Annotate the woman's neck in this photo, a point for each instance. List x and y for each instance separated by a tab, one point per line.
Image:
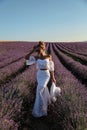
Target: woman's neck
43	54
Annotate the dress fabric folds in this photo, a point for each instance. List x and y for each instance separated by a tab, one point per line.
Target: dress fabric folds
55	91
43	98
42	94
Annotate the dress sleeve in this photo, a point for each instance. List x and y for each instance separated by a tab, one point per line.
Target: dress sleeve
51	65
31	60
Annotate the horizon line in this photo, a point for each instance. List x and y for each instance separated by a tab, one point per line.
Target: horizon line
36	41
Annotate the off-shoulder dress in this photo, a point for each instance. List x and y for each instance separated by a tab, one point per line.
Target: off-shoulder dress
42	100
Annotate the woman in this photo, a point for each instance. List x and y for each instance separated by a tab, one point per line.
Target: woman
45	71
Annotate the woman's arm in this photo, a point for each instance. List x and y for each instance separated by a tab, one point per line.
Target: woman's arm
52	69
35	49
52	76
27	56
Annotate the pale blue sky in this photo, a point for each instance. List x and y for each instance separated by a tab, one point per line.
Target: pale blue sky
47	20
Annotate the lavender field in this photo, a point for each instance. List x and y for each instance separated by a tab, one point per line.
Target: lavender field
18	87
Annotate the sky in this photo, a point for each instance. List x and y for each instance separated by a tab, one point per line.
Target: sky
46	20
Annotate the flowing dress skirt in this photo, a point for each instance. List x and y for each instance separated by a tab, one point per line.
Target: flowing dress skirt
42	94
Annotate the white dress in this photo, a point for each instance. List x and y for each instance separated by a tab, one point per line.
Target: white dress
42	93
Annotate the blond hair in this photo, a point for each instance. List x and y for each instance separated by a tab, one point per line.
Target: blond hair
42	44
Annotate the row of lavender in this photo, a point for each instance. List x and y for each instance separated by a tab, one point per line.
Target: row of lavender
78	47
12	52
14	90
79	70
80	58
71	107
12	97
12	62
